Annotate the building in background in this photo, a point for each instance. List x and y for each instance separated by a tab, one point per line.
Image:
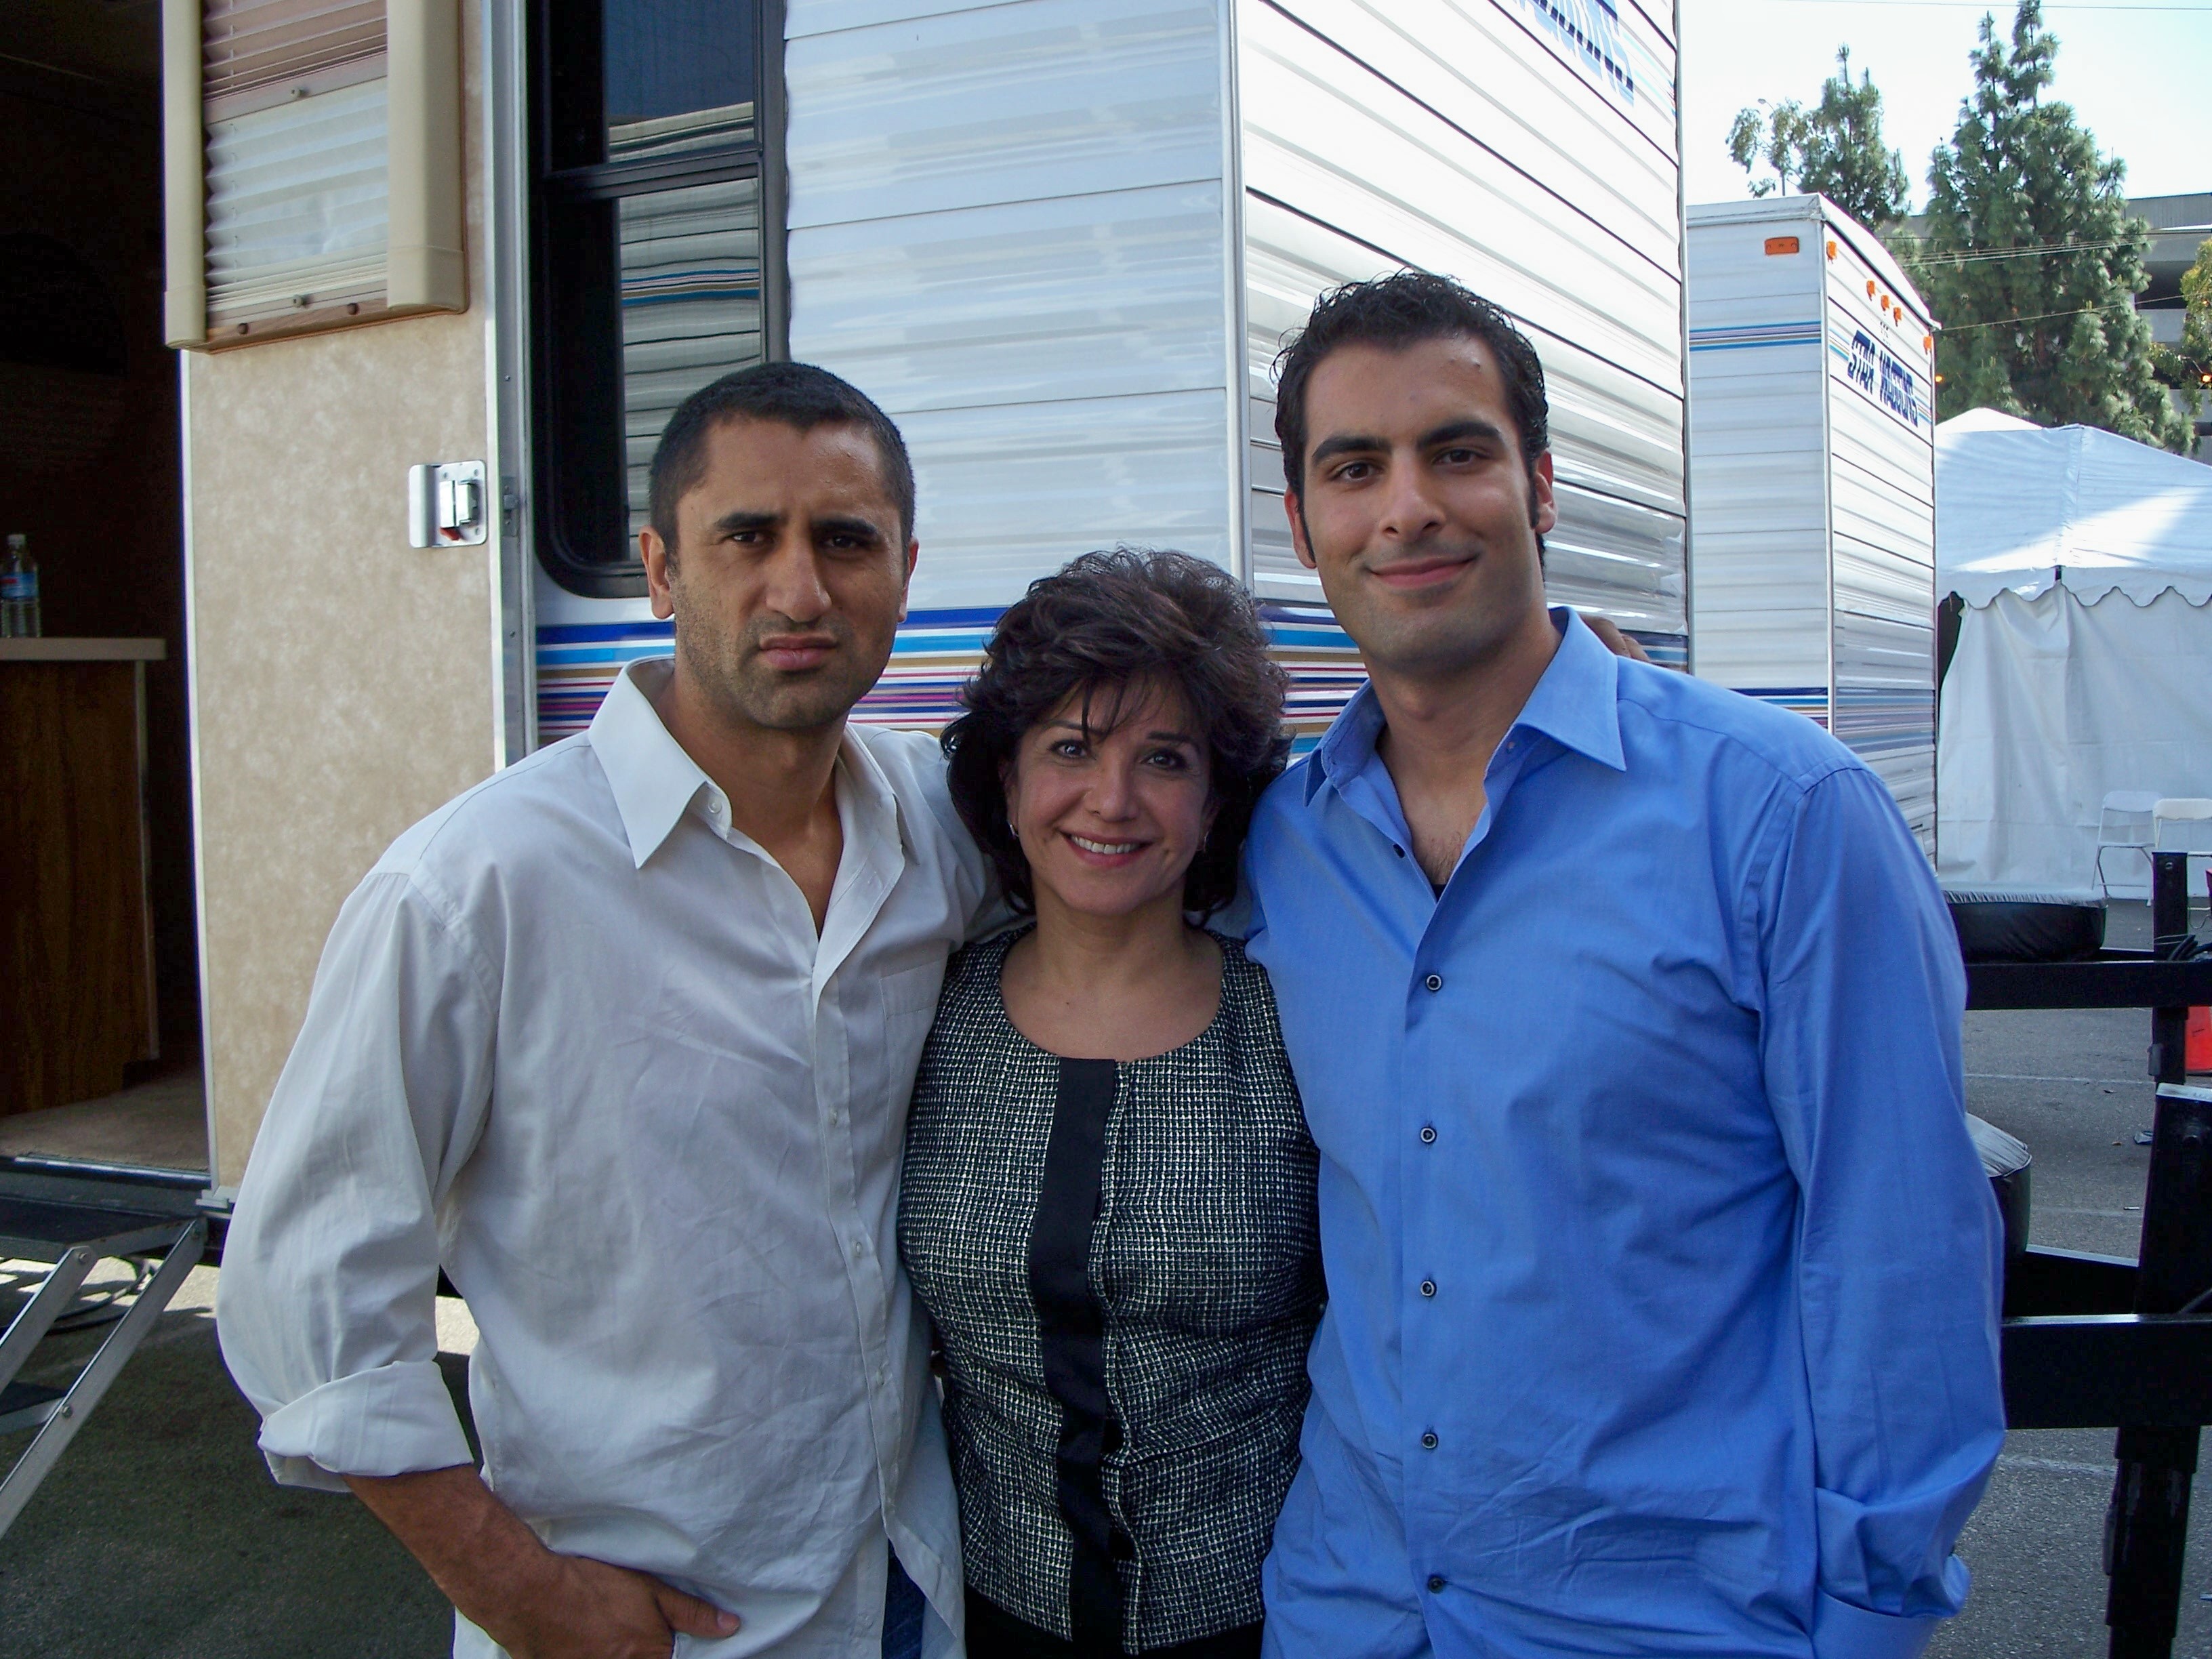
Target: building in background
2180	226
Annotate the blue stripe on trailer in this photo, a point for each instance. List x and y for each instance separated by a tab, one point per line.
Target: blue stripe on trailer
933	656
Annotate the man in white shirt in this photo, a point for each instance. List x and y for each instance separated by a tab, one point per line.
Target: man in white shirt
624	1037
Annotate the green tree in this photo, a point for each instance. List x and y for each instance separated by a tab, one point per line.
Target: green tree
2031	262
2189	365
1835	148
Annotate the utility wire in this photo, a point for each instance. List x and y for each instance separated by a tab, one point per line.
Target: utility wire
1981	256
1985	256
2040	316
2027	247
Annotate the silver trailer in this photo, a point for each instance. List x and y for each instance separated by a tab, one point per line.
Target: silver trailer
1812	464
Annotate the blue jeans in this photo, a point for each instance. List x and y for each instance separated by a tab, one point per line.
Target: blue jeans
903	1606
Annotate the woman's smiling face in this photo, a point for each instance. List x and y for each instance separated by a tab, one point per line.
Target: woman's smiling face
1111	820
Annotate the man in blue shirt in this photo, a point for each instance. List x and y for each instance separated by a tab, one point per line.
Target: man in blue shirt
1662	1313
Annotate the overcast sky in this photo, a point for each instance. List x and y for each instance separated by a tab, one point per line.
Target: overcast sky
2138	75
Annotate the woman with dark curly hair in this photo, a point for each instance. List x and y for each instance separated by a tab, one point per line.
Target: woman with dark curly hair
1108	1204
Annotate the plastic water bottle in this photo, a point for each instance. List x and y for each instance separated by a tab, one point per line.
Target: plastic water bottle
19	591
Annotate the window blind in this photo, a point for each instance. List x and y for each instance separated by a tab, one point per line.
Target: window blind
264	52
297	143
313	157
296	207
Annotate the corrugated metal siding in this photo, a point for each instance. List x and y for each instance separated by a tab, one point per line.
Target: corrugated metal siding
1758	454
296	199
1881	423
1478	137
1007	227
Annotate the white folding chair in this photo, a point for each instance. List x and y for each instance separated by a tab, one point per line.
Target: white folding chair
2127	824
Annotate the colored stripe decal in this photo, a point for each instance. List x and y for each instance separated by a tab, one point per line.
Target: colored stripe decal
937	652
935	655
1810	701
1756	334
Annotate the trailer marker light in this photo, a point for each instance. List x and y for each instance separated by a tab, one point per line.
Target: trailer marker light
1781	245
1831	249
1927	343
1870	287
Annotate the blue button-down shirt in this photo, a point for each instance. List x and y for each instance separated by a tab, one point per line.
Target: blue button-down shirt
1661	1314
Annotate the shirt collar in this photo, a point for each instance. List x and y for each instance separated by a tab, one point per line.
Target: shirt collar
1576	703
1349	742
655	781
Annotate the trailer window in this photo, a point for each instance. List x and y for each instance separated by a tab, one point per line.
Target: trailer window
652	248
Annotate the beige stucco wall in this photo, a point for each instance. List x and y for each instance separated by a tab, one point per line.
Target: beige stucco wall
344	681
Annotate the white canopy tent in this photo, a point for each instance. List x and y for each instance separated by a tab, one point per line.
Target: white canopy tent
2084	661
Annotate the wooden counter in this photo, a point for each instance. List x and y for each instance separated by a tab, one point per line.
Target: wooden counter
76	941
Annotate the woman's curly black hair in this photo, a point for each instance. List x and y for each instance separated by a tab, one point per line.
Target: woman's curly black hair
1103	625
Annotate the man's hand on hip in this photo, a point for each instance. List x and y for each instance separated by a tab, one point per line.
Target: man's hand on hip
533	1602
591	1610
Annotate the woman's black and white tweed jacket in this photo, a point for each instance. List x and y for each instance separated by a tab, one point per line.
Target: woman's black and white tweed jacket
1205	1260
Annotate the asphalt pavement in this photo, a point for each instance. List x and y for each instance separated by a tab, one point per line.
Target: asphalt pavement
161	1536
2073	1085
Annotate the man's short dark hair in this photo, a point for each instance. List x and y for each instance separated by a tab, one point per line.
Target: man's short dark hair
796	395
1101	627
1393	312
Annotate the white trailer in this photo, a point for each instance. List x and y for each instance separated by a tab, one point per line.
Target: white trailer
1813	469
1057	240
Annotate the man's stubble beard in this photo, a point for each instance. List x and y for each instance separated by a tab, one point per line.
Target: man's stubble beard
745	691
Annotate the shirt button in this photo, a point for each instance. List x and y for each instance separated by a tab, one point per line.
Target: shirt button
1436	1583
1429	1441
1434	982
1428	1287
856	1249
1428	1134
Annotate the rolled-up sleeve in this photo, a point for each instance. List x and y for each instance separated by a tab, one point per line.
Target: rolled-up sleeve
326	1302
1901	1250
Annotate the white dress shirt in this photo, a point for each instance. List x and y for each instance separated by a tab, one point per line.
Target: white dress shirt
576	1039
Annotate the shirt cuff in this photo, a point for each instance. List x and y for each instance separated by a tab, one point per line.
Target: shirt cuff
1841	1631
395	1420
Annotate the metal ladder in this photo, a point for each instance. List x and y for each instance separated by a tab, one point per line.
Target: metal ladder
73	1237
